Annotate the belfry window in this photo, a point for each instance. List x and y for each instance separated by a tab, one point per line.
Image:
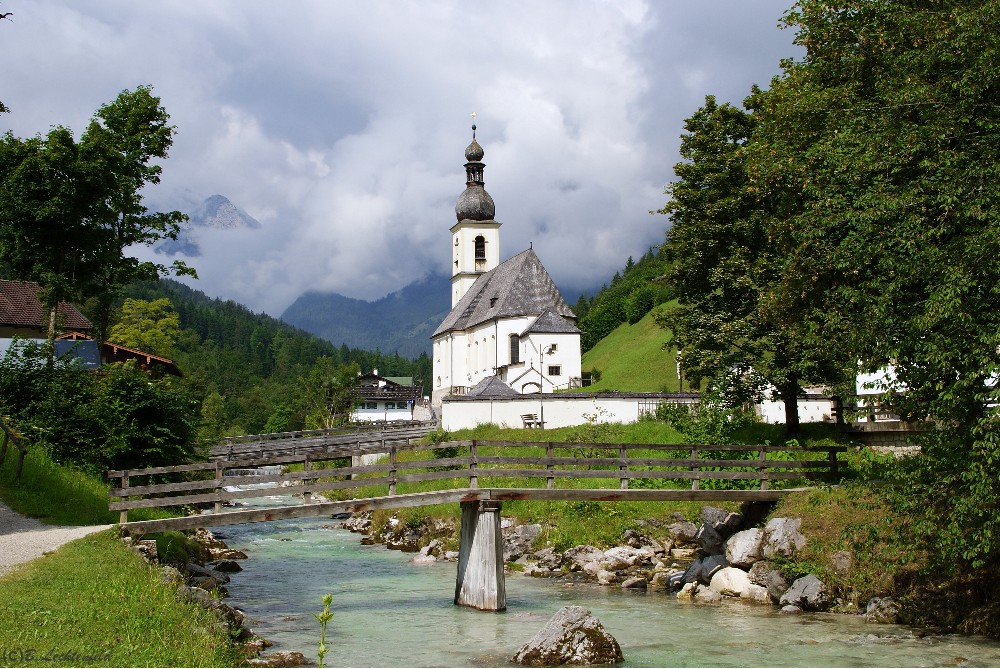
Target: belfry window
480	254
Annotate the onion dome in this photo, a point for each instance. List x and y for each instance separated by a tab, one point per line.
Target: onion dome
474	152
474	204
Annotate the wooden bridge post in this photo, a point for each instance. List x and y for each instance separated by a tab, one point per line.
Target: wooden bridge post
217	507
307	496
762	469
480	582
623	455
123	514
695	482
550	480
392	470
473	466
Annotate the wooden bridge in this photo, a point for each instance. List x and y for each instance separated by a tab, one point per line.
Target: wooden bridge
338	473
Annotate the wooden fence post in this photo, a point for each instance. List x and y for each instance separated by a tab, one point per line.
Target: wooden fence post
550	480
695	482
123	514
762	468
217	508
623	454
392	470
306	496
473	466
834	465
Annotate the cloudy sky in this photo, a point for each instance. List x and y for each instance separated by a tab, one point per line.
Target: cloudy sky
341	126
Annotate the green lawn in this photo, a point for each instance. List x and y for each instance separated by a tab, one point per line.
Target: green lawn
633	358
93	602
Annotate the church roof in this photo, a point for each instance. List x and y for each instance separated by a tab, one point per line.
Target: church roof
516	287
551	323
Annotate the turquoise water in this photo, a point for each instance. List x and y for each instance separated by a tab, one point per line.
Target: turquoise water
391	612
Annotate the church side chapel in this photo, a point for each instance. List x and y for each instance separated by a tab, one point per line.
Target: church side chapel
509	327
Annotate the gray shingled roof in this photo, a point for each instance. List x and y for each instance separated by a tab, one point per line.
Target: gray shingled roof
551	323
492	386
516	287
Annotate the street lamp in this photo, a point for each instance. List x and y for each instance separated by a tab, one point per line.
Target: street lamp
541	384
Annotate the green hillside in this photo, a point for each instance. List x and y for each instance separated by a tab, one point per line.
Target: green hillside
632	358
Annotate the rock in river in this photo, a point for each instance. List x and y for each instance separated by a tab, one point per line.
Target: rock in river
572	636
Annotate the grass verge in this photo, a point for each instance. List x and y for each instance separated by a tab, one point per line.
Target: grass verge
95	603
60	495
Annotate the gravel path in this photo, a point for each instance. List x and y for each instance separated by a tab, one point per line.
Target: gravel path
23	539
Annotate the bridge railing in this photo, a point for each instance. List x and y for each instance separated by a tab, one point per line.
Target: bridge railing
303	441
475	464
11	437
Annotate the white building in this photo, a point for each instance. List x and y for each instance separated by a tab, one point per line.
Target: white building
508	319
384	399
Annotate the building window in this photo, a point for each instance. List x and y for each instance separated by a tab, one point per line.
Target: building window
480	248
515	349
555	370
553	348
369	406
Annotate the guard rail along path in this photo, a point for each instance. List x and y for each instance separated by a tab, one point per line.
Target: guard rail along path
480	475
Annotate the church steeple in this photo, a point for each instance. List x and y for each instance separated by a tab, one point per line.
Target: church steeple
475	204
476	235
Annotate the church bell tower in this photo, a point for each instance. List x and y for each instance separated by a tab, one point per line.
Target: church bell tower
476	235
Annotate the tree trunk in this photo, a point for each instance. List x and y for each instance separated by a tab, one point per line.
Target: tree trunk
51	339
790	397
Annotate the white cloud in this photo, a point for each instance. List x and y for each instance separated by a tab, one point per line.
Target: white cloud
342	126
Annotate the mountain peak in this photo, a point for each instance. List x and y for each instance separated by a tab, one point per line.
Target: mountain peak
218	212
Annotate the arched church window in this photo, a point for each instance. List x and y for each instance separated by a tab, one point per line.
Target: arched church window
480	248
515	349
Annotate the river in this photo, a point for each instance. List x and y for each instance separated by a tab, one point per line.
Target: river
390	612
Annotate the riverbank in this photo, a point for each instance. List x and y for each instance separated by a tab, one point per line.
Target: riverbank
840	550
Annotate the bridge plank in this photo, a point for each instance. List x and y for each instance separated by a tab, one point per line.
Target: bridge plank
446	497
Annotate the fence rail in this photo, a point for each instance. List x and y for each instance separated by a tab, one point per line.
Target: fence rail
309	441
498	462
11	437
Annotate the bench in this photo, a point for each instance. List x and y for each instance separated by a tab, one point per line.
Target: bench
531	420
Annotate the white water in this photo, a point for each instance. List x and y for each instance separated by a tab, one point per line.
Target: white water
394	613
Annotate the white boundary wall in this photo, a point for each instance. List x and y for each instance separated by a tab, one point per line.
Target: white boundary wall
559	409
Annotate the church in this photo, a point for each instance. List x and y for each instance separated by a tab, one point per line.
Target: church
509	330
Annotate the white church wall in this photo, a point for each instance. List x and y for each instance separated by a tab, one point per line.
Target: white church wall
559	410
811	410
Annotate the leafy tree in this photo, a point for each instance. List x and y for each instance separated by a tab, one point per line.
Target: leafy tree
118	419
69	211
725	267
153	327
327	393
884	141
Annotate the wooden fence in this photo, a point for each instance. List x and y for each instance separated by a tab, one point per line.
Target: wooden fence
317	441
11	437
495	464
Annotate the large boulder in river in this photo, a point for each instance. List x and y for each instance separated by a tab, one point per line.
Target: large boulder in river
682	532
710	540
623	557
782	538
573	636
808	593
578	557
743	549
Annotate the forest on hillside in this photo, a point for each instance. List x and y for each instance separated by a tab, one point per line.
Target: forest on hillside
249	370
